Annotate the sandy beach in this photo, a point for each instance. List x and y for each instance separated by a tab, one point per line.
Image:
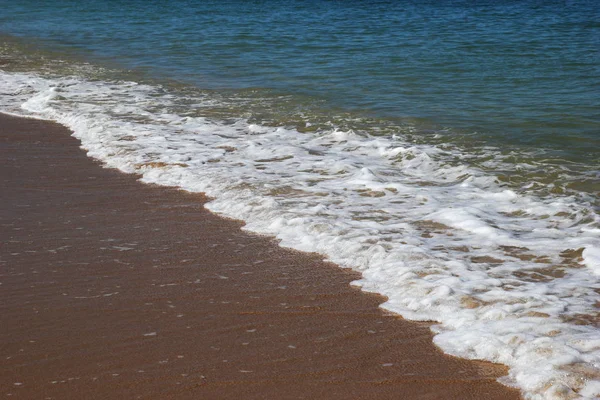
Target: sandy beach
112	289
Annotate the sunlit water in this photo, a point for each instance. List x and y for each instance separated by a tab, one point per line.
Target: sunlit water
447	150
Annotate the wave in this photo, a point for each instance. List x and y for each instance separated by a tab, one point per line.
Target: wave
509	273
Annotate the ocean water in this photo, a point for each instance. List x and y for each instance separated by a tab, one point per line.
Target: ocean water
447	150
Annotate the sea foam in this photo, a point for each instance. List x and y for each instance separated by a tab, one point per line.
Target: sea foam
508	276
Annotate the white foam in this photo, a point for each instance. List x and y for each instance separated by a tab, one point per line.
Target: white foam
591	258
501	271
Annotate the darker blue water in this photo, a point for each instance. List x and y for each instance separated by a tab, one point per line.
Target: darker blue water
523	72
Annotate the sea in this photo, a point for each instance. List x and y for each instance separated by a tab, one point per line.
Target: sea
448	150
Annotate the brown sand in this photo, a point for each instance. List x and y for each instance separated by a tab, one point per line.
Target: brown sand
111	289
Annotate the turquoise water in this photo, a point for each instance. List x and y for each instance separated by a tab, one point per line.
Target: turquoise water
447	150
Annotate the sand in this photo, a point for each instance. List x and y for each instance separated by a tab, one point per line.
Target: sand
112	289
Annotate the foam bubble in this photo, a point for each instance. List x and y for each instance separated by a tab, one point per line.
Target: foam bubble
591	258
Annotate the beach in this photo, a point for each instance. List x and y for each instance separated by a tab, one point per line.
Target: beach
116	289
252	200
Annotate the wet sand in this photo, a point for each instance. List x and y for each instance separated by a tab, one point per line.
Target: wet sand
112	289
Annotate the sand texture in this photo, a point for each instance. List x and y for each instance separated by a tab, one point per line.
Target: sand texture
112	289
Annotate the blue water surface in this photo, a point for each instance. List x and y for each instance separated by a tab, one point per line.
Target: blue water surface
524	72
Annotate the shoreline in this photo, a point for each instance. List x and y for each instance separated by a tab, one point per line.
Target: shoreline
117	289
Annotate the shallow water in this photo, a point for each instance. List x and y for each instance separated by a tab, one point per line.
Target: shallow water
448	151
